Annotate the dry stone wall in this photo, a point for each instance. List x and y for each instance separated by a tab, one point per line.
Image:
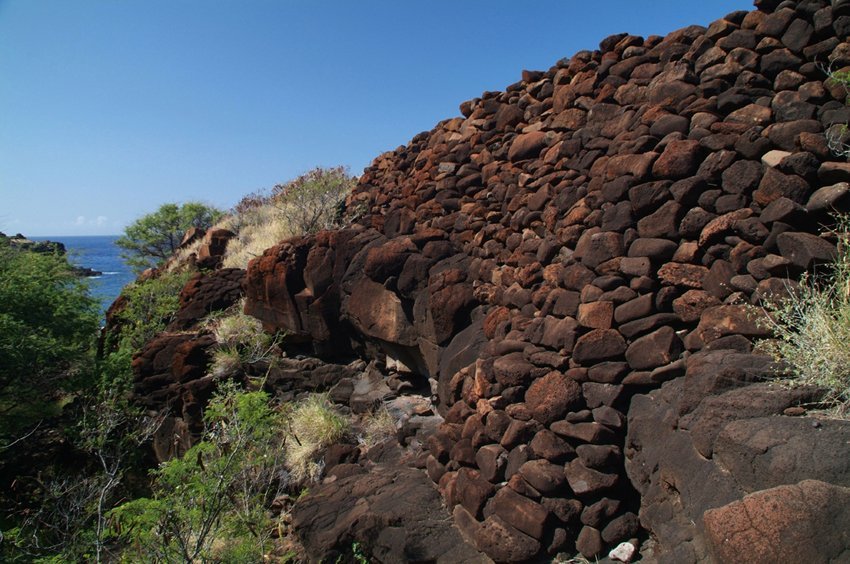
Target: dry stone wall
592	233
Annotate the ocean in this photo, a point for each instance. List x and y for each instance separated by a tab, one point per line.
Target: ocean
100	253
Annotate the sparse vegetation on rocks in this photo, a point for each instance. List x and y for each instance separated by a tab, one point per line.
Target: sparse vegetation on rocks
240	341
812	326
548	303
311	425
213	502
304	205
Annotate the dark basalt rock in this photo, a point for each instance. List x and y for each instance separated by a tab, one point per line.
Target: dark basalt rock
572	263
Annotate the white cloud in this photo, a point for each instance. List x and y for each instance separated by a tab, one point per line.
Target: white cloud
84	221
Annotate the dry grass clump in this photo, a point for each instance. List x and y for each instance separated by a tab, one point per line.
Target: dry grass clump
256	230
180	258
301	206
312	201
225	362
241	340
838	134
312	425
812	328
377	427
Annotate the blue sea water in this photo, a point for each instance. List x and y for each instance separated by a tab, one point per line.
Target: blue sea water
100	253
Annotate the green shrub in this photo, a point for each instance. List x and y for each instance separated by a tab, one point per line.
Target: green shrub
812	327
211	504
48	326
149	307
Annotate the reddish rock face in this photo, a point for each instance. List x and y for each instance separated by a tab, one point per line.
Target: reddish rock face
206	293
213	247
782	524
377	312
597	230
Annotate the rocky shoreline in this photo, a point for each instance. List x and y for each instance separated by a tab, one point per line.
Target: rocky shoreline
19	241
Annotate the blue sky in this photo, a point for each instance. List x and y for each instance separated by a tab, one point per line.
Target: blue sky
110	108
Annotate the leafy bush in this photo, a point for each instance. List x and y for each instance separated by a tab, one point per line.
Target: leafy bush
64	518
312	425
812	327
48	325
213	501
154	237
149	306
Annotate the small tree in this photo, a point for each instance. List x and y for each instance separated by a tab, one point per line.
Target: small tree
154	237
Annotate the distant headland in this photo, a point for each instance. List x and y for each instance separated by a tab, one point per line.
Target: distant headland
19	241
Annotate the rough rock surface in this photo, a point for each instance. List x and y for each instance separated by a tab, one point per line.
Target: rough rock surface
205	293
593	233
710	438
783	524
391	511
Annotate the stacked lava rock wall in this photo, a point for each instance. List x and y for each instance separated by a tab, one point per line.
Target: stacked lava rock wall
567	243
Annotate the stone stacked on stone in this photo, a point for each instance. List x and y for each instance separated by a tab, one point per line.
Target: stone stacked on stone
593	233
566	244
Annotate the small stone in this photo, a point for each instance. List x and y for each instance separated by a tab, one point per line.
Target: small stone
623	552
774	157
599	344
596	315
552	396
527	146
586	481
826	197
545	477
589	542
625	526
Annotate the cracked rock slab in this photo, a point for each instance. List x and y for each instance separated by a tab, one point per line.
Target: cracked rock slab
392	511
804	522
